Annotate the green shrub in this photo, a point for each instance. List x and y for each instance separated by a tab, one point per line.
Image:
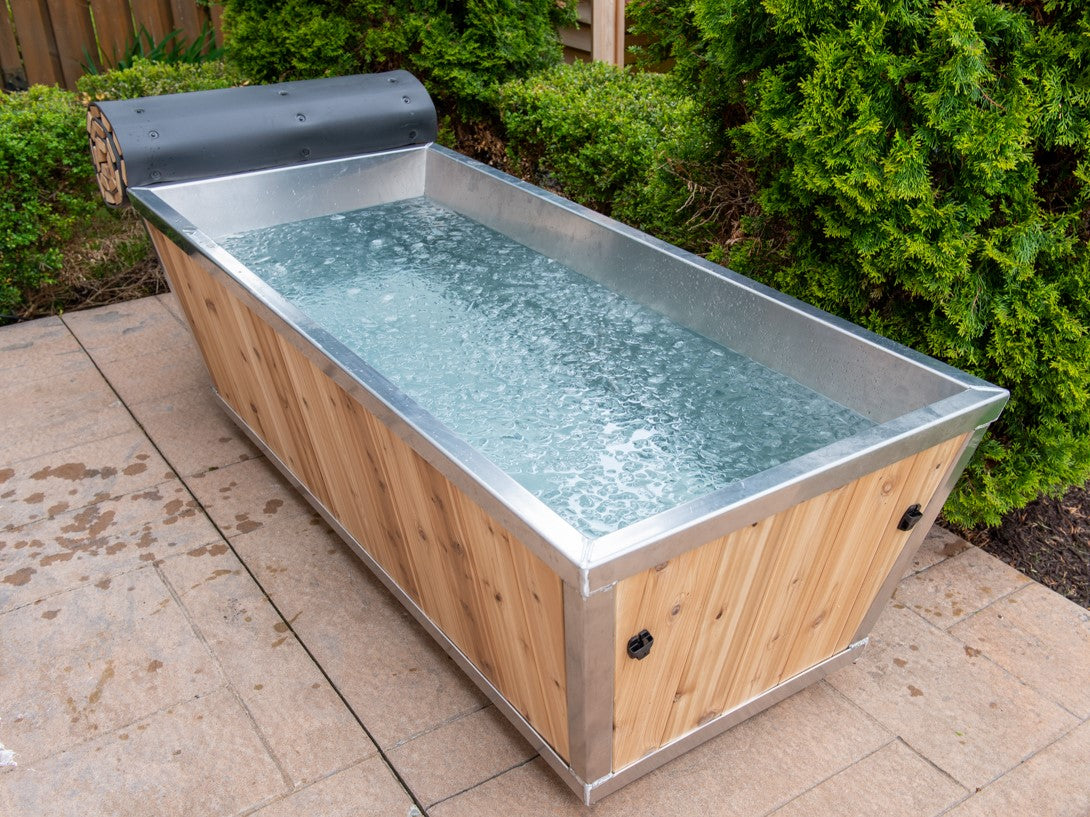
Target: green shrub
930	162
611	139
147	78
461	51
48	186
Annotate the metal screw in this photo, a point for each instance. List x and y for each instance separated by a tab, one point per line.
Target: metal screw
139	110
305	152
154	134
156	175
300	117
412	134
406	100
282	93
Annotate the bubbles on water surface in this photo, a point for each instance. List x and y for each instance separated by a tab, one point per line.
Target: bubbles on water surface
606	410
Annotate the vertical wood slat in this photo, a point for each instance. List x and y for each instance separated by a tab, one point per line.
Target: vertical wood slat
604	31
11	64
74	35
188	17
113	23
36	42
215	12
741	614
155	16
486	591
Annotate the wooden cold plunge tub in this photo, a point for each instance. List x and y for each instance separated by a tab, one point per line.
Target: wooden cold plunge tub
612	644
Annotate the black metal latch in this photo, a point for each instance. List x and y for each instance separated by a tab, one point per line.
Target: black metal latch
911	517
640	645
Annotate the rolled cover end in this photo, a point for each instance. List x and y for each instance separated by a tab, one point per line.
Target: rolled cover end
199	135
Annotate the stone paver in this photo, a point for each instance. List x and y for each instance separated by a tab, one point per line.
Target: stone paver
306	725
157	375
366	790
201	757
1054	782
144	668
39	350
44	487
243	497
98	541
93	659
893	782
459	755
192	432
759	765
127	330
968	716
390	671
56	413
955	589
1039	637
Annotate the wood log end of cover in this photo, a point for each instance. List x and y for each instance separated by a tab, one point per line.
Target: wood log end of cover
107	157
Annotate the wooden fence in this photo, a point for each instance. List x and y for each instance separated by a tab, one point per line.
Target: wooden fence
49	42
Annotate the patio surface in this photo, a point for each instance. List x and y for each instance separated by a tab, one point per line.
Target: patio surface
181	635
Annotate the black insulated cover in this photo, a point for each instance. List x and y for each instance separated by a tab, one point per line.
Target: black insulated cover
199	135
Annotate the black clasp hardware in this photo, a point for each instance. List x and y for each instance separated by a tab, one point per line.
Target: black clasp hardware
640	645
911	517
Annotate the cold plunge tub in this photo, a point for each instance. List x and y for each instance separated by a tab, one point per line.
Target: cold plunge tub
636	496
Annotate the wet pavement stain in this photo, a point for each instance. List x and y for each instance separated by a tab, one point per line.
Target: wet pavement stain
104	584
107	675
272	506
49	615
155	665
6	474
915	692
209	550
20	576
134	469
35	498
74	472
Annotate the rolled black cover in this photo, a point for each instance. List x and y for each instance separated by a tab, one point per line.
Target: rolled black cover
180	137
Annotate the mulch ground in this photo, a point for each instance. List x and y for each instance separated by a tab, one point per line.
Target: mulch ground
1048	540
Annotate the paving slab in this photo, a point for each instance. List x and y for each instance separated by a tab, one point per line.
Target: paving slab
759	765
459	755
55	413
244	497
93	659
200	757
368	789
393	675
38	350
893	782
193	432
957	587
170	301
156	375
98	541
938	545
956	708
44	487
1055	782
306	725
127	330
1039	637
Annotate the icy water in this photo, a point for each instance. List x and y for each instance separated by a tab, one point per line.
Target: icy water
607	411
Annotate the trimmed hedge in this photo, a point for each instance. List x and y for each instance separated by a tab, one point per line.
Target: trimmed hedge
146	78
929	161
610	139
50	192
461	51
49	186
